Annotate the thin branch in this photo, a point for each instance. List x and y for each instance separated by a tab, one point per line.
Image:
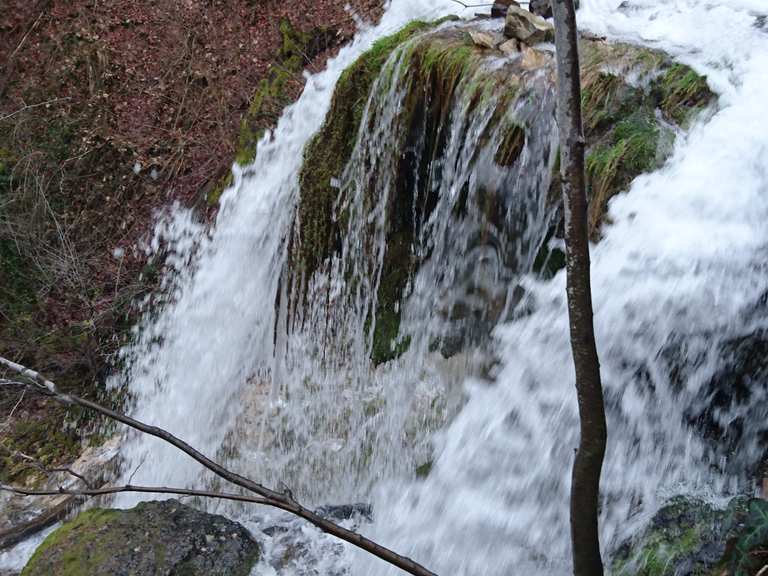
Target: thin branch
34	463
284	501
31	106
472	5
109	490
465	5
7	422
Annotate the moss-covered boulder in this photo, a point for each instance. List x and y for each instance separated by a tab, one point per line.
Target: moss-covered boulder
153	539
632	99
688	537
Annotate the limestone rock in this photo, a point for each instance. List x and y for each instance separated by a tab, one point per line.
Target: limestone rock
483	39
510	47
22	517
527	27
533	59
153	539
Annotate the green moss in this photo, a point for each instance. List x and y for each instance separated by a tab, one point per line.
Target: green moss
46	438
76	559
683	93
424	470
610	167
328	152
272	93
214	195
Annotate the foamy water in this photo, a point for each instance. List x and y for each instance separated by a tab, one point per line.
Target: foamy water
678	267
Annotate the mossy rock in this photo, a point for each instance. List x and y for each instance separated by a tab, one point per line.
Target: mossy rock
154	538
632	98
623	88
687	537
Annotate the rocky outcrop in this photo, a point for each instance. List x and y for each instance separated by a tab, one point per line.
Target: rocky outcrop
153	539
632	97
527	26
689	537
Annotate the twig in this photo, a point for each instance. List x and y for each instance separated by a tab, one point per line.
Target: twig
11	62
284	501
15	406
30	106
471	5
135	470
108	490
40	466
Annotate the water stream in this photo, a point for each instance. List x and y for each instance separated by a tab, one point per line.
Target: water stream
676	274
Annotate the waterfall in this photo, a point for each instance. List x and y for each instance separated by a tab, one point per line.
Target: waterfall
286	396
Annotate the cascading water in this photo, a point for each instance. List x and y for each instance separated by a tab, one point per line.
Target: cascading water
676	275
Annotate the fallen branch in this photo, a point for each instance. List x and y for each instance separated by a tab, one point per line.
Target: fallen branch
21	532
268	497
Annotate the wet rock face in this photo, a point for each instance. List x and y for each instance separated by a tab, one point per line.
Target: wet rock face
503	172
735	402
688	537
153	539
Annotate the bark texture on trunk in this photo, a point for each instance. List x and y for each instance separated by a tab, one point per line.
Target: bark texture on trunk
585	486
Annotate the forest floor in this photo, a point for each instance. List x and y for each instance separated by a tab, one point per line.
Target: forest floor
110	111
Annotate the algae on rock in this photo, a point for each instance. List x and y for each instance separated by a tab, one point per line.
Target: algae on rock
154	538
689	537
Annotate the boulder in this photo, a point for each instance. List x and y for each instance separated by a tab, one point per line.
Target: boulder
511	47
527	26
153	539
484	39
499	9
623	87
688	537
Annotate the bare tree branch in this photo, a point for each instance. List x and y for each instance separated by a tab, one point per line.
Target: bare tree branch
109	490
283	501
40	466
31	106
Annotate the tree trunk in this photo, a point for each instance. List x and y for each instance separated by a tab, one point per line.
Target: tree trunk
585	480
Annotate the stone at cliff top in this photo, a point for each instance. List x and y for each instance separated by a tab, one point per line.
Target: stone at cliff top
527	27
153	539
484	39
499	9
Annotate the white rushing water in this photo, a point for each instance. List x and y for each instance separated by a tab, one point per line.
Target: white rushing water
673	276
682	262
